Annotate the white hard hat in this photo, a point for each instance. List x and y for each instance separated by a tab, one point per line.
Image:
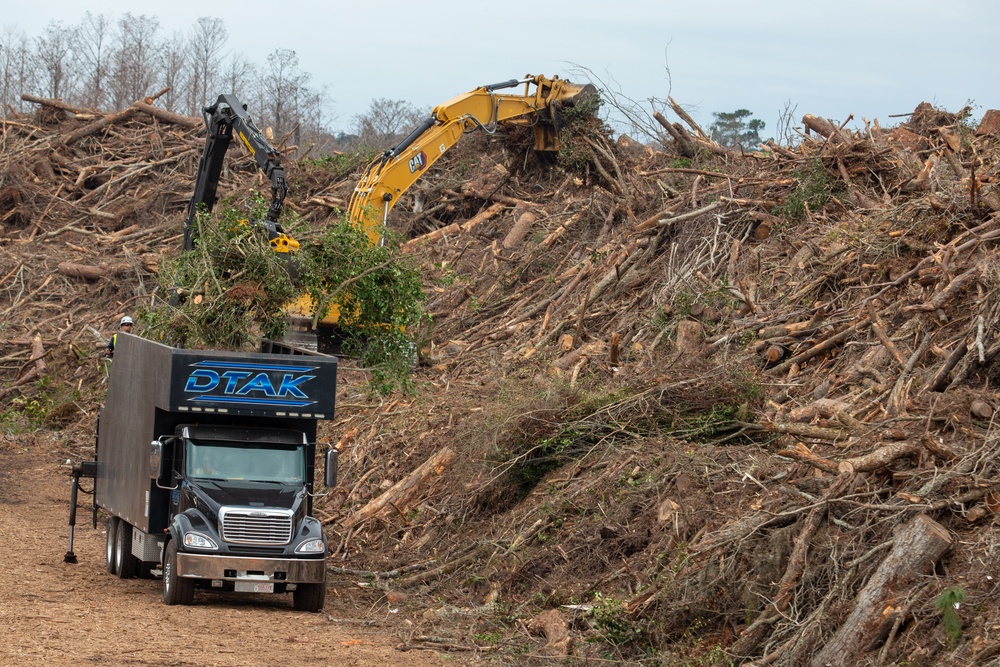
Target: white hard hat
125	320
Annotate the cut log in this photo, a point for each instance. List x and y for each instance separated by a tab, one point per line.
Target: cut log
800	452
456	227
38	354
821	347
400	494
918	545
679	110
824	128
168	116
553	627
519	231
690	338
943	376
682	141
555	234
880	458
54	103
88	272
990	124
25	379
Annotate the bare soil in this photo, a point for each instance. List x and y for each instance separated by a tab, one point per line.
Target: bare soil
56	613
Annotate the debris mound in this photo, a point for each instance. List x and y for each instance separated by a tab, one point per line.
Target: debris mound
713	403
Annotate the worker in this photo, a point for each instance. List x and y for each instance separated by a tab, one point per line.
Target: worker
126	326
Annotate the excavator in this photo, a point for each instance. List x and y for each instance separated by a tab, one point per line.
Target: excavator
390	174
539	105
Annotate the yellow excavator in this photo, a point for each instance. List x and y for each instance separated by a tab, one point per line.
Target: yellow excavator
538	105
486	107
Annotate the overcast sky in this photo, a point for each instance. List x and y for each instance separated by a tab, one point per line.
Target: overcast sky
871	58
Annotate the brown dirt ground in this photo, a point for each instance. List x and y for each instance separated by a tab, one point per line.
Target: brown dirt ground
54	613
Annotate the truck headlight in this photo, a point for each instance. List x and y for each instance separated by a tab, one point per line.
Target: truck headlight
199	541
311	547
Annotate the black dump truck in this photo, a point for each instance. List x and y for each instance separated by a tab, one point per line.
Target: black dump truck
204	463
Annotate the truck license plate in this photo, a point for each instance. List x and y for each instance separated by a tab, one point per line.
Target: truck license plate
254	587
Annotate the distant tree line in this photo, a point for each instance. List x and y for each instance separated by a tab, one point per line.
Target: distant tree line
105	63
737	129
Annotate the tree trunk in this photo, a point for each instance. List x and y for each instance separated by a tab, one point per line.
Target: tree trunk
917	546
405	490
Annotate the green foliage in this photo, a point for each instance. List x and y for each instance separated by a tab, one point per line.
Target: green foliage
947	605
45	406
814	188
583	110
546	455
379	295
681	163
25	414
231	285
574	122
710	413
233	289
737	128
339	165
612	622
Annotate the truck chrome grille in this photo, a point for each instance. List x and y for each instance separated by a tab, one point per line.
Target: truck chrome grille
251	526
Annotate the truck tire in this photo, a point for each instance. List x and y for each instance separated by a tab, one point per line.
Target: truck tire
111	554
309	597
176	590
126	565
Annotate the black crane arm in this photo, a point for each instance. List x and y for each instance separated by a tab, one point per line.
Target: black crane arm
221	118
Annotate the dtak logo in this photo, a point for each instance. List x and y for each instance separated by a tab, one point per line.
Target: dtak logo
417	162
249	384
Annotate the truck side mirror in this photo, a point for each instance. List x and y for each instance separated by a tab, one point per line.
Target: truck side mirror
330	479
155	459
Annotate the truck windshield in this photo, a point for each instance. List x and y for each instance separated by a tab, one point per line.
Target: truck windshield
214	459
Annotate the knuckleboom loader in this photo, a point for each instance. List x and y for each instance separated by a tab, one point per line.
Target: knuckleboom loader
224	118
204	464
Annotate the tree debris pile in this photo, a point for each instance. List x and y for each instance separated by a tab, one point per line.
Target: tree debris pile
675	401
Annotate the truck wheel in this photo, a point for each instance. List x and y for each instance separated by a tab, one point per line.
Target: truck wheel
126	565
110	555
309	597
176	590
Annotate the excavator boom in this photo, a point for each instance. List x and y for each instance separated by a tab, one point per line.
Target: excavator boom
395	170
390	174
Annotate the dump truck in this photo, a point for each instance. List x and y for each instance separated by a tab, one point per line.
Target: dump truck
204	465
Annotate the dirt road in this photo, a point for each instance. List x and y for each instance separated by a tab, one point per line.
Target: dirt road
53	613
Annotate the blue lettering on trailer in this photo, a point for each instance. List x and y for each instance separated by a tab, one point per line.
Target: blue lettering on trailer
237	382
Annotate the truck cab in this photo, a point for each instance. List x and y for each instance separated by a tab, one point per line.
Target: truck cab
236	494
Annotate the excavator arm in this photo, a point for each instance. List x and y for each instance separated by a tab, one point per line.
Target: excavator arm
395	170
224	117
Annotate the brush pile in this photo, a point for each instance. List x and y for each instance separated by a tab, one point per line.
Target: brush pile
686	402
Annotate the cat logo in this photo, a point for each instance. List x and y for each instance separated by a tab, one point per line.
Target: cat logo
417	162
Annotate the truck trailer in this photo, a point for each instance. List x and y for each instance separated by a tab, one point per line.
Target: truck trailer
204	464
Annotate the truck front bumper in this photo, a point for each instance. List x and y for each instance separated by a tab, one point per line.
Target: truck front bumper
239	568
